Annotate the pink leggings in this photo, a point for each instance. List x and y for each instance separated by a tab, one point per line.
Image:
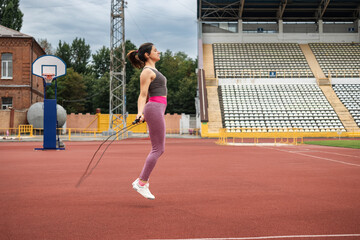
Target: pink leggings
154	117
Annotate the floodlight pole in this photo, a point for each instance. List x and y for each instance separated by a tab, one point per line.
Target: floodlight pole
117	103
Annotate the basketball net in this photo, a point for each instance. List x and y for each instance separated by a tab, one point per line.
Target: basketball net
48	77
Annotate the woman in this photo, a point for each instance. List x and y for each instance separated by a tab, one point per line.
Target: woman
152	88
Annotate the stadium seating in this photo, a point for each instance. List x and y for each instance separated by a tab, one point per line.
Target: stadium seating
257	60
349	95
270	107
341	59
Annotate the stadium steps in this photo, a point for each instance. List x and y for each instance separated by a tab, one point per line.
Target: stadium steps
344	115
313	63
323	81
211	81
208	58
214	112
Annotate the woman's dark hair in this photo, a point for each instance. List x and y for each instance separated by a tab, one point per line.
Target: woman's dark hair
137	57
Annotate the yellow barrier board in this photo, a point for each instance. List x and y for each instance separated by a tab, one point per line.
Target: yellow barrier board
103	123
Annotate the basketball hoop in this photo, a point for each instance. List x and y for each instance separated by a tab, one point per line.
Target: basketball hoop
49	67
48	77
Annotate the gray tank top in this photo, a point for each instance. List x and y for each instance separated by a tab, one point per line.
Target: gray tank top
158	85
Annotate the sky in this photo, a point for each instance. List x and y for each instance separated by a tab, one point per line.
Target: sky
169	24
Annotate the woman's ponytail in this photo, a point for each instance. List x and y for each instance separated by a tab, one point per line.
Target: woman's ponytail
137	57
134	59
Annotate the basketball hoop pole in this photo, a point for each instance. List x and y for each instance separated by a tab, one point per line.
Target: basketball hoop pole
55	88
49	68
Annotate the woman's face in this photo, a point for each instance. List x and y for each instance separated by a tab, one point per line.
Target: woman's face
154	54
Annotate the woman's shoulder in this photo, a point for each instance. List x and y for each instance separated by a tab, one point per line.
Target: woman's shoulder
150	69
147	72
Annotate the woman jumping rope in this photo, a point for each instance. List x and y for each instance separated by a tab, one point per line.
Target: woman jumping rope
152	88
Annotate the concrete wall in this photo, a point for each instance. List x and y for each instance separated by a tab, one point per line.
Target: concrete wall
287	33
20	118
81	121
339	28
345	80
4	118
172	123
300	28
250	27
212	29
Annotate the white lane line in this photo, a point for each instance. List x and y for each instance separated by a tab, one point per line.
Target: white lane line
269	237
340	154
323	158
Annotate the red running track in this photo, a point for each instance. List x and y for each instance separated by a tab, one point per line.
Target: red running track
202	191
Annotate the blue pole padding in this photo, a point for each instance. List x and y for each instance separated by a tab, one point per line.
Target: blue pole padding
50	123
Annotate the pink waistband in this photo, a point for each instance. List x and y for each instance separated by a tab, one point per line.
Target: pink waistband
158	99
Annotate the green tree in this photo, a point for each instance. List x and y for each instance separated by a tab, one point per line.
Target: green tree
97	93
185	96
44	43
101	98
133	91
98	81
101	62
72	92
63	51
129	69
80	55
90	81
179	70
10	14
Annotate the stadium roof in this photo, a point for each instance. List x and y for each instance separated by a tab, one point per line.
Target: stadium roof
273	10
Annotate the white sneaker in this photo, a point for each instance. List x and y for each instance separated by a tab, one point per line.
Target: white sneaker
143	190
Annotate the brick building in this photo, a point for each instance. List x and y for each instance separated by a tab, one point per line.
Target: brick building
19	89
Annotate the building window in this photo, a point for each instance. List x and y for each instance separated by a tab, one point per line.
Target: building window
6	102
6	66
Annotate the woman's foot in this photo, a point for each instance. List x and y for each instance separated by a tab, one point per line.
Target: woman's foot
143	190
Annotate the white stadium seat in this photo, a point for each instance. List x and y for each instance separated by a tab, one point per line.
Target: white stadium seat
274	106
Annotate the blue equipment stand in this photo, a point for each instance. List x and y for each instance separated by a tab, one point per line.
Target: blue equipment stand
50	123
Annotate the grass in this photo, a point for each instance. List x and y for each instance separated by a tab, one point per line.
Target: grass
337	143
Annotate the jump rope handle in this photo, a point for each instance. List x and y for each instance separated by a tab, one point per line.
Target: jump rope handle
137	120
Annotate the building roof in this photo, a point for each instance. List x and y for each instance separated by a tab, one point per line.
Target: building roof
11	33
274	10
8	32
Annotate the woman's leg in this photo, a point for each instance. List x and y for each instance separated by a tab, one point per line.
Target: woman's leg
154	117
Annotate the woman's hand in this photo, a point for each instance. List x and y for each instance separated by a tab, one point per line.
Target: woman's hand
140	118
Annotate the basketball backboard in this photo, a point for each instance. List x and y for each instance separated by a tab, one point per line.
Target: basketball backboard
49	67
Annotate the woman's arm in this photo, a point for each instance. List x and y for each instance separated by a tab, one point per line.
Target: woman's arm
145	79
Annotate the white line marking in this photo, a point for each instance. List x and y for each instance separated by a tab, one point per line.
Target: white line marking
269	237
323	158
338	154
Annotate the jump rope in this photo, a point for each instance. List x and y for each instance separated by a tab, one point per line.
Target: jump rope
125	129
